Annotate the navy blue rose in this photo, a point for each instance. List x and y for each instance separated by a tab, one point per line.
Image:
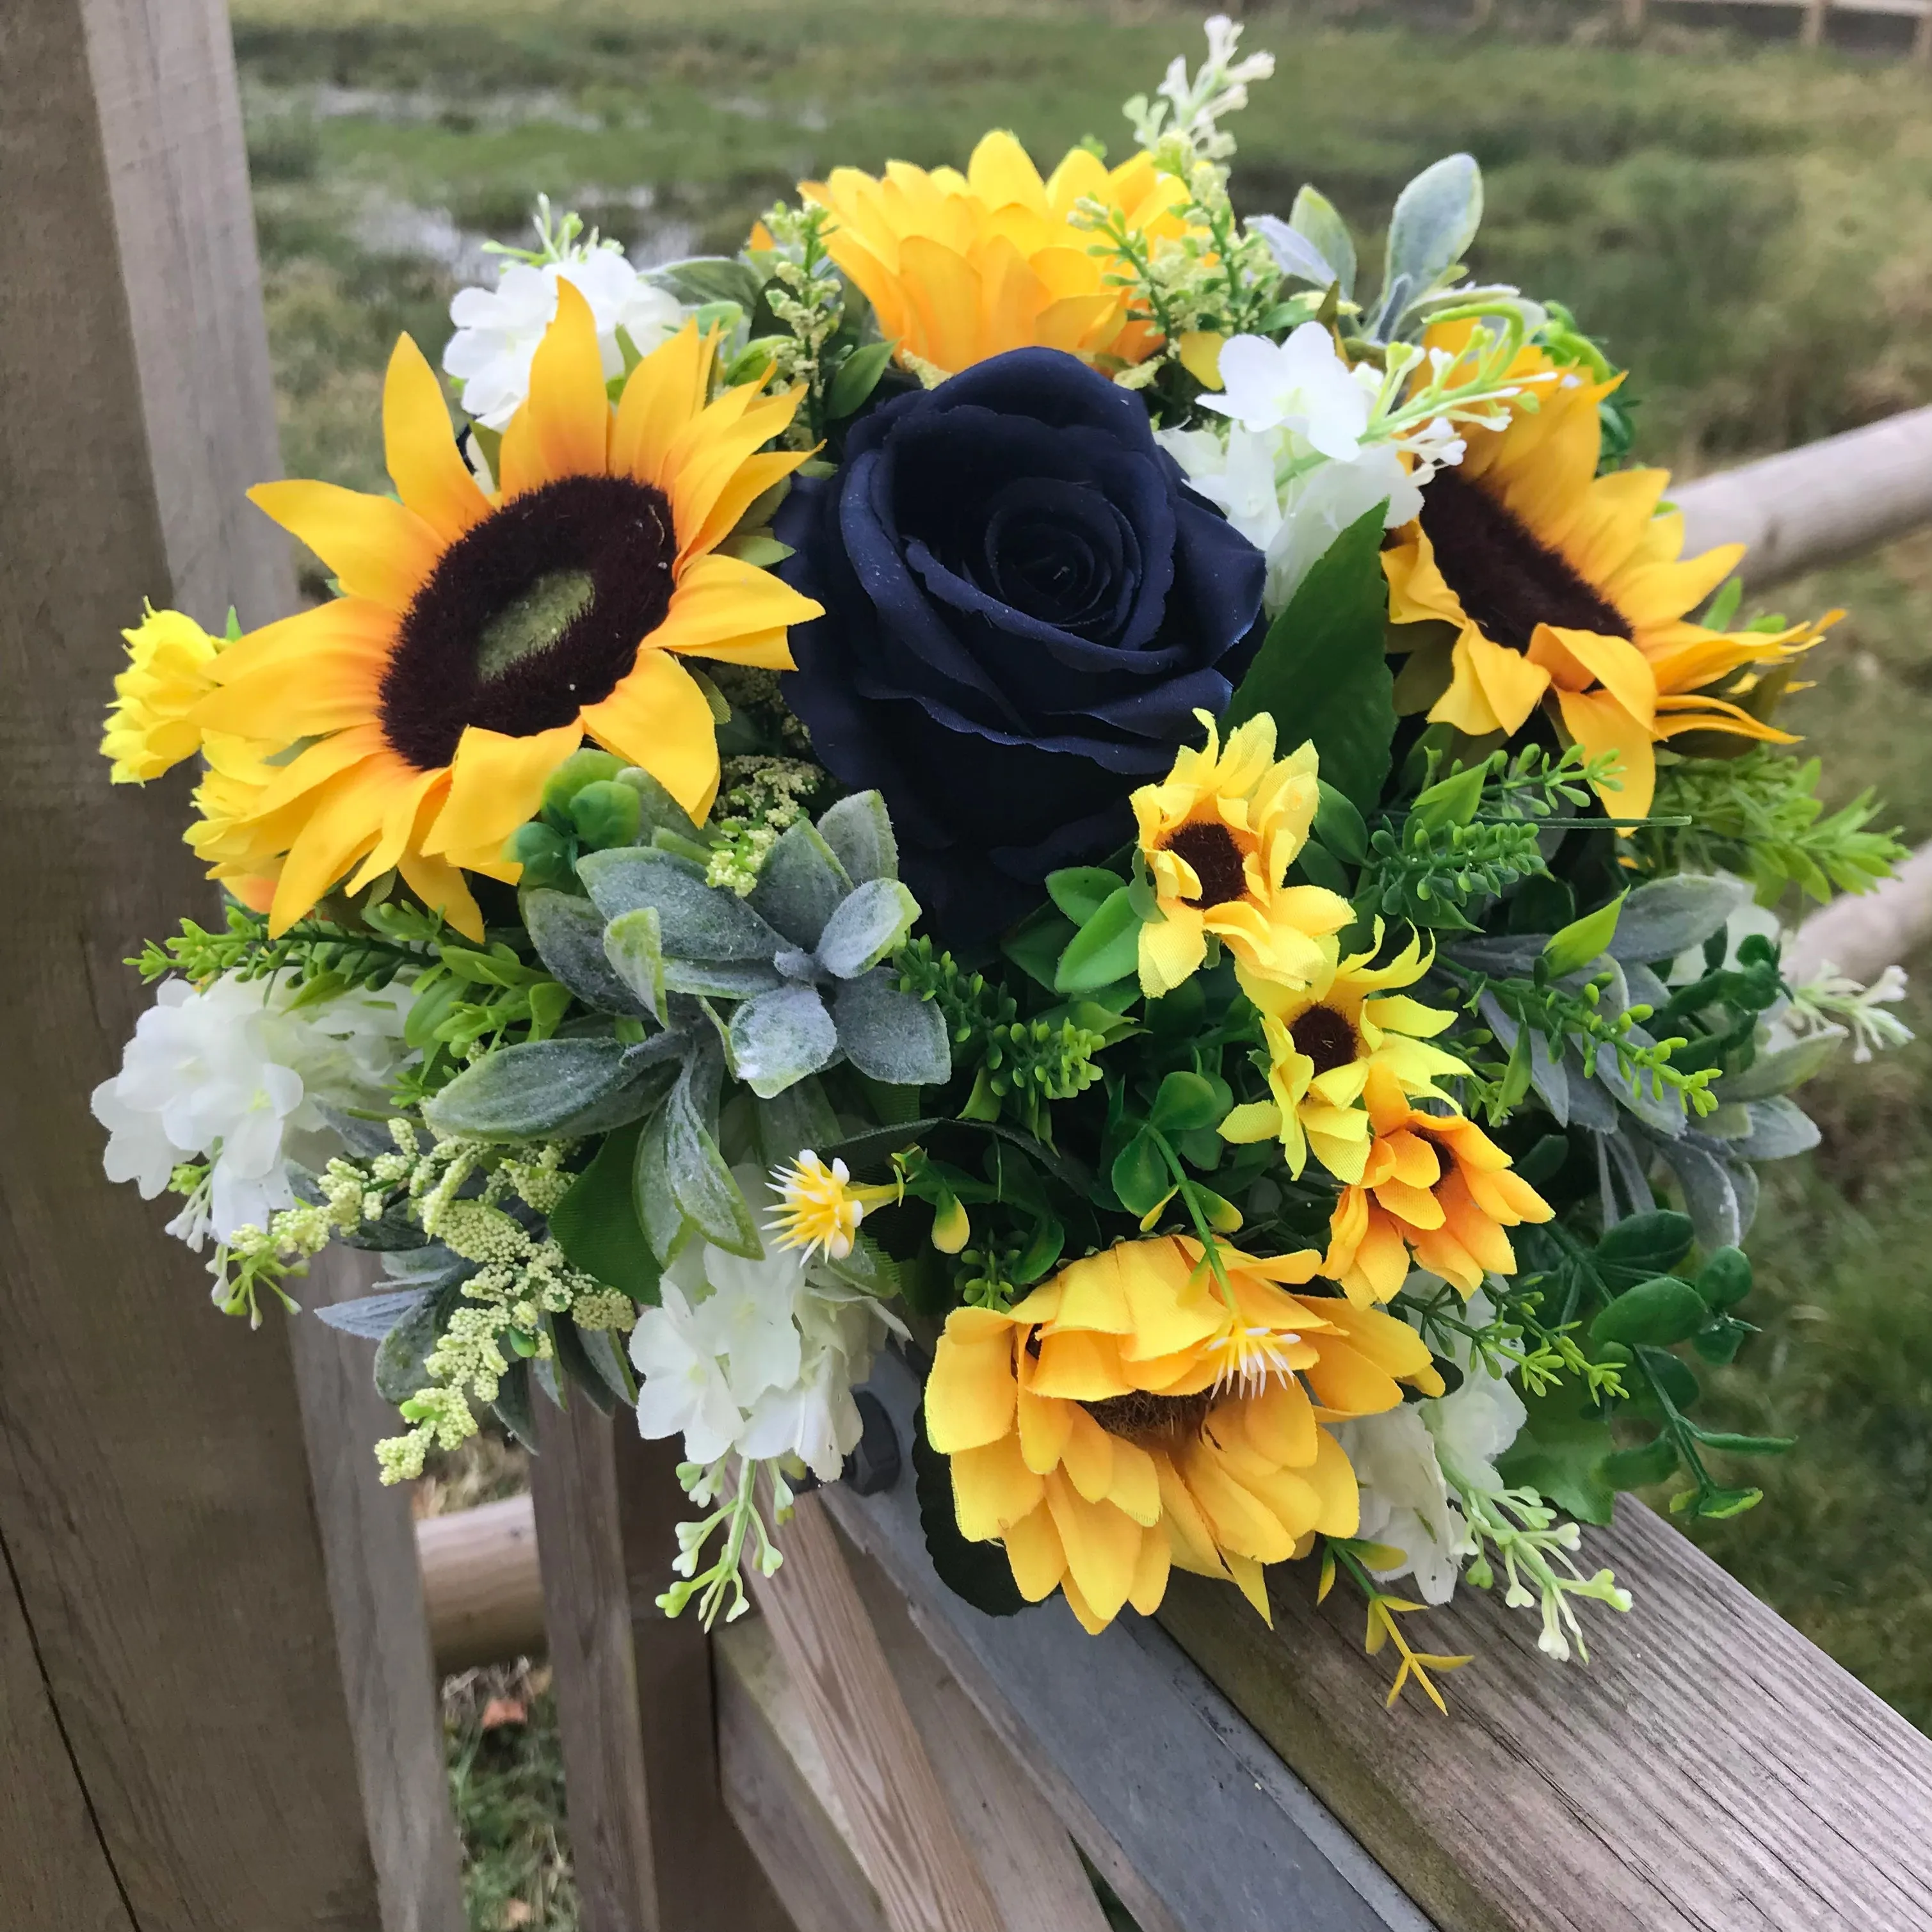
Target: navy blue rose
1024	606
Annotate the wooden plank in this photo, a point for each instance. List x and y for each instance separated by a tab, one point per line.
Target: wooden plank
901	1823
1812	34
654	1848
482	1587
1818	504
1198	1827
153	1498
1710	1769
382	1632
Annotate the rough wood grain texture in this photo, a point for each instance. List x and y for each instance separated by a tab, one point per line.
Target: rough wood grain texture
654	1847
902	1826
42	1802
153	1495
1711	1771
375	1588
1199	1827
1818	504
482	1585
1023	1851
777	1789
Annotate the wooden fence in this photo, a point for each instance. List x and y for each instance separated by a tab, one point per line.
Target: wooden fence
216	1709
1814	14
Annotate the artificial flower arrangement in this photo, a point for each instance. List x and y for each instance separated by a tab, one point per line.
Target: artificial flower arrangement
1025	771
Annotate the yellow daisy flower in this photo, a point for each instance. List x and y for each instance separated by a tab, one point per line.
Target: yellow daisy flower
171	668
1124	1418
1565	588
481	638
962	267
1324	1040
1219	835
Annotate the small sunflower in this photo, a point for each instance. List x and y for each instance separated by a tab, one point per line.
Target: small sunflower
479	638
1323	1042
1219	835
962	267
1125	1418
1434	1186
1565	588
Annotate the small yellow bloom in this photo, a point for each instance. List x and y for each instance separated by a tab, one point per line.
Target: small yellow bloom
1434	1187
1125	1417
962	267
1219	835
150	730
1324	1038
240	847
820	1207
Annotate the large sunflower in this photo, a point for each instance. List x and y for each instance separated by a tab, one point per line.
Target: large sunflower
1566	589
479	638
1125	1418
962	267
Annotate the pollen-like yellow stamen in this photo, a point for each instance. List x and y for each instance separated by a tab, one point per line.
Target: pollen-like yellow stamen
820	1207
1251	1357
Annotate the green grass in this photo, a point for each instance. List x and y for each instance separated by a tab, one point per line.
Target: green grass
1749	226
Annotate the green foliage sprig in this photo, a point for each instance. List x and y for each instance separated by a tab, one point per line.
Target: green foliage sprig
398	938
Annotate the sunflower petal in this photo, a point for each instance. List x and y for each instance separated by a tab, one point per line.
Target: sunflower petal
496	784
376	547
657	717
563	428
424	463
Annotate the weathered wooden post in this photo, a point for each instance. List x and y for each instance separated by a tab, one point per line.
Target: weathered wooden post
183	1745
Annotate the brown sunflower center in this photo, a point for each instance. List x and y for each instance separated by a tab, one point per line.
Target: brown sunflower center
1141	1417
1210	848
1325	1036
1504	576
534	613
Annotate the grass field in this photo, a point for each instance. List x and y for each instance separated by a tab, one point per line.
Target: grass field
1749	227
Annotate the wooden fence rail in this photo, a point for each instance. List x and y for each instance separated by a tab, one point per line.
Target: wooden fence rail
1811	28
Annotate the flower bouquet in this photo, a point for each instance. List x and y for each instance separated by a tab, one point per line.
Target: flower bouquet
1029	772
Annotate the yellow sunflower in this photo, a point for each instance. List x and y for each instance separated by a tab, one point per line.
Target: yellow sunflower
1566	589
1324	1040
962	267
1218	834
1434	1186
479	638
1124	1418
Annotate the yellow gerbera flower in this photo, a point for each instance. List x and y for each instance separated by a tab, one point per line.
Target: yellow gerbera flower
479	638
171	668
1566	589
1435	1187
962	267
1219	835
1324	1040
1125	1418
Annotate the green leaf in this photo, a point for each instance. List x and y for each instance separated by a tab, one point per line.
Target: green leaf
1042	1253
859	831
1715	1505
890	1035
1035	945
1655	1461
1185	1102
778	1037
583	768
568	931
1322	671
1436	219
699	922
1559	1453
858	376
1321	867
1106	948
1643	1246
801	884
1659	1311
1080	891
539	1090
709	278
867	928
607	814
978	1572
665	1224
633	950
596	1223
1583	940
1339	826
1452	801
1141	1176
1314	215
700	1179
1745	1445
1725	1279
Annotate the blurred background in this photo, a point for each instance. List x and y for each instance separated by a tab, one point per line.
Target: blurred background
1746	224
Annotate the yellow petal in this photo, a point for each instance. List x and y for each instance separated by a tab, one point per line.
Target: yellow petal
424	462
1033	1550
496	784
441	886
343	822
1103	1547
563	428
656	717
1079	1367
1247	1575
664	393
1601	724
970	1395
1088	1456
1135	1489
1171	949
376	547
992	1488
1093	1294
1150	1572
1045	1426
719	600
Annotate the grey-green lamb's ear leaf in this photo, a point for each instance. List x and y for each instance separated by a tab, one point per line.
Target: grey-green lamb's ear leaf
801	885
568	934
659	812
799	1117
1785	1068
709	278
1314	216
860	830
1666	916
372	1316
666	1225
402	1357
722	979
1779	1129
1436	219
1294	254
780	1037
634	949
1710	1197
536	1091
512	1406
867	927
700	1180
891	1036
698	922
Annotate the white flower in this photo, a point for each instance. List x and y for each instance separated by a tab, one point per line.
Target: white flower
229	1075
685	1389
497	330
1303	385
